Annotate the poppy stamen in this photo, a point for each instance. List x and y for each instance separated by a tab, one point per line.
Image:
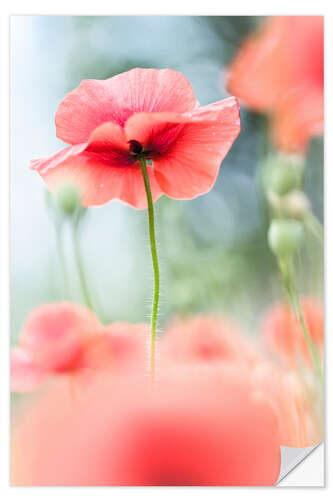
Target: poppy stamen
135	147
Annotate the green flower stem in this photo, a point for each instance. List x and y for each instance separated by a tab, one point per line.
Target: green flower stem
80	267
155	265
286	269
61	255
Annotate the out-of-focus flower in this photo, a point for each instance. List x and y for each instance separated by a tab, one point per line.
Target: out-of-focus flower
283	334
26	375
51	342
147	112
207	339
67	339
280	71
184	432
294	402
216	344
54	334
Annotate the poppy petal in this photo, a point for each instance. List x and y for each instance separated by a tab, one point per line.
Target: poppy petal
192	166
43	164
100	183
156	132
25	375
192	145
102	170
140	90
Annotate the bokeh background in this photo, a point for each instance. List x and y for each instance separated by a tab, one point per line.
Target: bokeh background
213	250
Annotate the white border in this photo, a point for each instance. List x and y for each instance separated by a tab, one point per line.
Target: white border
172	7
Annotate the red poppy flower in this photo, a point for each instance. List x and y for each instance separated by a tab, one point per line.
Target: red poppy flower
280	71
143	111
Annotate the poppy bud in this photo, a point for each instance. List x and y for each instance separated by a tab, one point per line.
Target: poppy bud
294	204
284	173
68	198
285	236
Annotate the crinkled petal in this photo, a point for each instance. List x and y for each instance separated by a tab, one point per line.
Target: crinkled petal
191	146
102	170
99	183
43	164
25	375
116	99
107	141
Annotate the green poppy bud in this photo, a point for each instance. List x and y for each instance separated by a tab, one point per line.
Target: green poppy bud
296	204
285	236
283	173
68	198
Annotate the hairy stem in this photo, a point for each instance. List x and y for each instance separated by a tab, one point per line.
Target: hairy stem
152	237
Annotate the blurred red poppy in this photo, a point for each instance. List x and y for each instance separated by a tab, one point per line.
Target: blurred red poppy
68	339
185	432
280	71
207	339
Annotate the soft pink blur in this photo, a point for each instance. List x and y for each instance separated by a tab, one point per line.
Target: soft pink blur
185	431
216	404
209	339
294	398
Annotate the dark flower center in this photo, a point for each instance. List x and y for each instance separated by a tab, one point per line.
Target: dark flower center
135	147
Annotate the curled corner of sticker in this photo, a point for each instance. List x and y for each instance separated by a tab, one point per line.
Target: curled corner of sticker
291	457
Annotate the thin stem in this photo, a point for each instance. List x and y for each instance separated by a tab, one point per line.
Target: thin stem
82	276
155	265
61	255
315	226
286	269
311	347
